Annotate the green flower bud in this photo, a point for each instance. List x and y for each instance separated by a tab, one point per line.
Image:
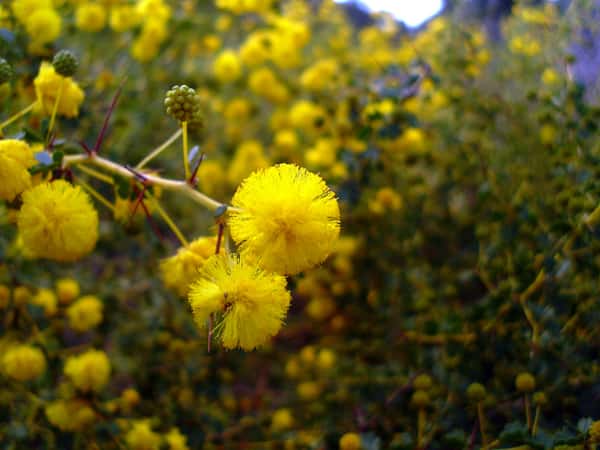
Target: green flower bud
183	104
6	71
65	63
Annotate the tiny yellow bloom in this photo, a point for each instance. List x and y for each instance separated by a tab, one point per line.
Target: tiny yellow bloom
85	313
181	270
141	437
227	67
350	441
70	415
23	362
89	371
67	290
90	17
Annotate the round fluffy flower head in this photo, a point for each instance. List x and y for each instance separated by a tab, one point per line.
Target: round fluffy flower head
90	17
70	415
180	270
43	26
88	371
85	313
67	290
141	437
252	302
525	382
350	441
23	362
287	220
15	158
47	83
57	221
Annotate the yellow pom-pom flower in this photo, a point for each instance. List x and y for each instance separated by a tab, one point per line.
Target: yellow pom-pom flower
252	302
90	17
23	362
57	221
227	67
85	313
141	437
23	9
180	270
70	415
47	85
287	219
67	290
46	298
88	371
282	420
176	440
15	158
43	26
350	441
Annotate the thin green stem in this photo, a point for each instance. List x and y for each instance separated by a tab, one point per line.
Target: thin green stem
186	162
16	116
158	150
165	183
55	109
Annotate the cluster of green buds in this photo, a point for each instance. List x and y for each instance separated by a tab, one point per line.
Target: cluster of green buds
6	71
65	63
183	104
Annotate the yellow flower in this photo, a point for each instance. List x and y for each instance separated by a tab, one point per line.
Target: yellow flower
308	390
43	26
57	221
253	303
123	18
23	362
287	219
141	437
23	9
89	371
15	158
70	415
85	313
326	359
350	441
212	179
282	420
144	48
180	270
47	84
249	156
525	382
67	290
227	67
46	299
90	17
176	440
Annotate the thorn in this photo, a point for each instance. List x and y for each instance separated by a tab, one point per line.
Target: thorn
210	332
138	175
107	118
220	237
138	201
85	148
192	179
151	222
